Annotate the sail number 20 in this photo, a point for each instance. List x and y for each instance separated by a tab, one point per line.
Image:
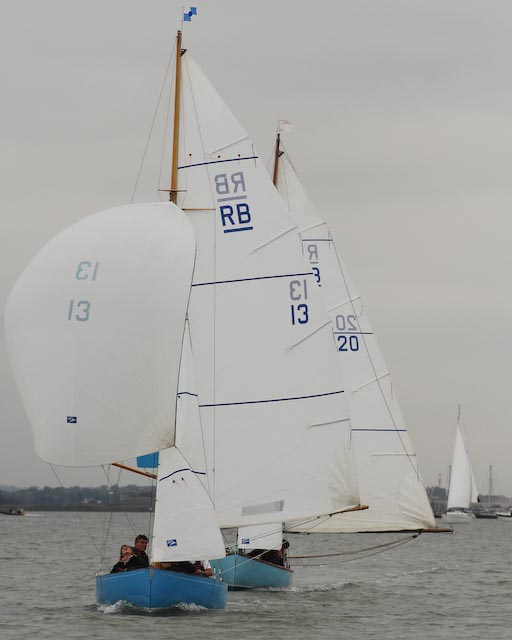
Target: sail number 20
299	308
80	310
347	324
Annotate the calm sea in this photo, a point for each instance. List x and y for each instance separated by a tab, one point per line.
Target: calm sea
437	586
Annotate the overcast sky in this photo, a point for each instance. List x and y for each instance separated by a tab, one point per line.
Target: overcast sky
403	137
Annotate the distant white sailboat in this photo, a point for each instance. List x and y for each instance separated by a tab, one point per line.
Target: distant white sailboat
463	490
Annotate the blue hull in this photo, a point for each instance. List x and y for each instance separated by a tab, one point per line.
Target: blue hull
154	589
241	572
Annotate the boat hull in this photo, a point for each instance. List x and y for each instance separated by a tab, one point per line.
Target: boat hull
241	572
458	517
504	518
155	589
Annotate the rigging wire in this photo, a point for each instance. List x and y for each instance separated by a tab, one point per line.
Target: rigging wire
164	84
107	525
374	551
203	148
164	137
80	520
108	520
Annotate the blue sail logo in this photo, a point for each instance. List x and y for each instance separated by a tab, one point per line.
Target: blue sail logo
172	543
71	420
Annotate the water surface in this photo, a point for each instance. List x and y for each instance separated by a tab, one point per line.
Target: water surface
438	586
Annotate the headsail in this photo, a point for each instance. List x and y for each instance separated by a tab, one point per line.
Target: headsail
271	400
185	523
94	330
388	476
260	536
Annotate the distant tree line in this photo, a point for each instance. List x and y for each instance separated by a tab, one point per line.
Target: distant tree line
133	496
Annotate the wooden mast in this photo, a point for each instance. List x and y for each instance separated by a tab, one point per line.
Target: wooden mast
173	195
277	153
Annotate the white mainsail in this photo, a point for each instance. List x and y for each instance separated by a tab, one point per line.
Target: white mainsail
388	475
274	418
94	331
463	489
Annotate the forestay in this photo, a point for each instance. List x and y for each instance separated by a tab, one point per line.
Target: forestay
388	476
94	330
189	433
269	383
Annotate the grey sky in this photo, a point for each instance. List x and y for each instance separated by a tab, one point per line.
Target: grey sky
403	137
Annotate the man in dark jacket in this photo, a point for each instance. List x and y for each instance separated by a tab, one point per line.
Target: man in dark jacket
139	551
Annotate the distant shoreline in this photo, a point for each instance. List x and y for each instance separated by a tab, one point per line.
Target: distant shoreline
81	508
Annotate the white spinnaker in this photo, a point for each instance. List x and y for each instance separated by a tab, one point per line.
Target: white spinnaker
260	536
463	489
94	329
387	472
185	526
272	405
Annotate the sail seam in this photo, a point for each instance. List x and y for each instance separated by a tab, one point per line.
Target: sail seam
366	384
280	235
383	430
230	404
202	164
342	304
199	473
313	226
283	275
312	333
353	333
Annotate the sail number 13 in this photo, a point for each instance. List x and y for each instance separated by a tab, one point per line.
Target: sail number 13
80	309
298	296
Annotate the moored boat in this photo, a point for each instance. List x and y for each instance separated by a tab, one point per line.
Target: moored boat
505	516
12	511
